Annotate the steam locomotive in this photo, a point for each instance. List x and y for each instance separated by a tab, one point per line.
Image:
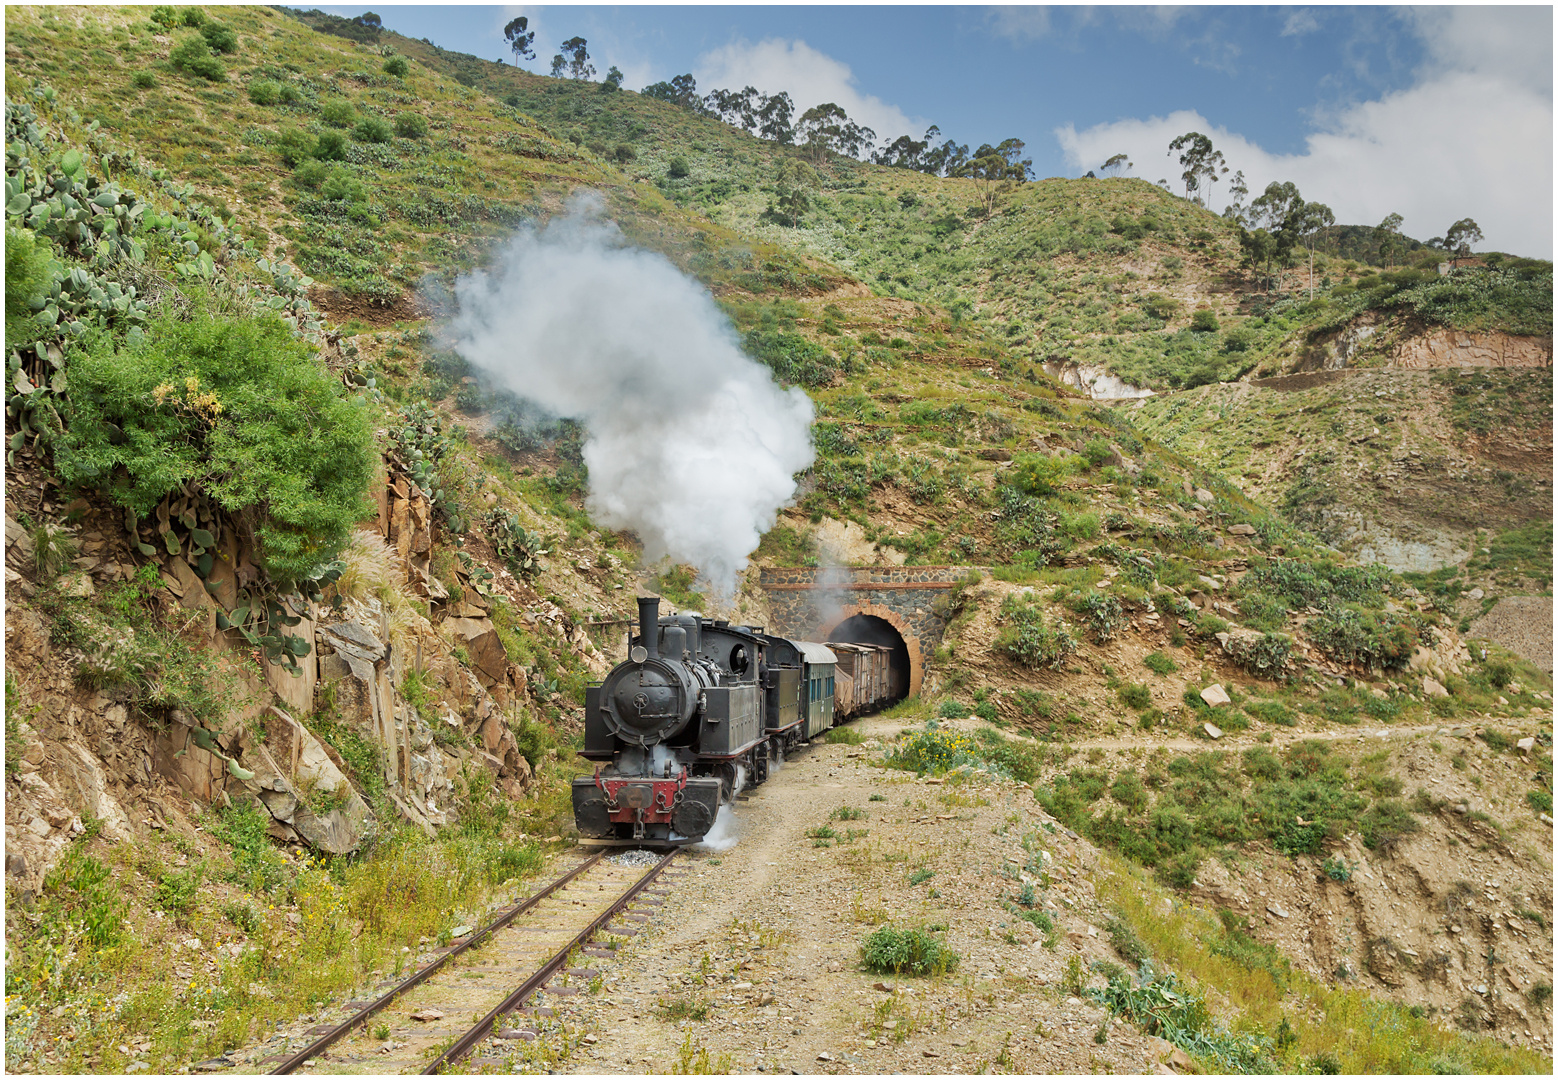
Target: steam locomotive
698	710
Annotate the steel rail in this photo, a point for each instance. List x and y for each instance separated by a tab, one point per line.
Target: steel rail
483	1028
324	1042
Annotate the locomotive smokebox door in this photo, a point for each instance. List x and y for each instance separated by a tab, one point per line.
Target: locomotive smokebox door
589	809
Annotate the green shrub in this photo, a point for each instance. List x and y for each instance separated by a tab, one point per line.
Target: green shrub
1310	584
194	57
1135	695
891	951
264	92
397	66
331	146
176	892
1266	656
1352	635
221	38
143	80
1103	611
1540	801
338	112
1040	474
409	125
294	145
1026	638
28	279
342	185
933	750
678	169
1159	664
240	407
1386	822
1096	452
371	129
1204	322
1270	712
311	174
1129	792
951	710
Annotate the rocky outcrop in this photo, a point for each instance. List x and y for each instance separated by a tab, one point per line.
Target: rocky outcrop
1096	382
1443	348
305	792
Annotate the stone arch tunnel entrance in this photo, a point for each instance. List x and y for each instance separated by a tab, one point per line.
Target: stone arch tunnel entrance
865	629
884	605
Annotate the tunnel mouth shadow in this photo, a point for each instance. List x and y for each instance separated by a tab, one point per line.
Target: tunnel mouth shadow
862	629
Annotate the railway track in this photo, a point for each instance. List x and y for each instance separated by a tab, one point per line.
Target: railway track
534	940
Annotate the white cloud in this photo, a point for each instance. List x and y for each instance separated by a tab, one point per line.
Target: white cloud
1021	24
808	76
1474	138
1299	23
1513	43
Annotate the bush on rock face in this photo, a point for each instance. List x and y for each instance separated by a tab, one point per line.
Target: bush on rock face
240	407
1028	639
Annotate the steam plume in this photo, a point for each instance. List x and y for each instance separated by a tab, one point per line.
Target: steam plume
690	443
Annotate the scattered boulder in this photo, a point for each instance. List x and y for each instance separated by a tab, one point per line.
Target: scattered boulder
1433	688
1242	530
1215	695
1213	730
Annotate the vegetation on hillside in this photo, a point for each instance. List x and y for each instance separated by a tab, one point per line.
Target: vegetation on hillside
168	169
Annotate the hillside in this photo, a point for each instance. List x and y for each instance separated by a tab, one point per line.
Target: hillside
301	605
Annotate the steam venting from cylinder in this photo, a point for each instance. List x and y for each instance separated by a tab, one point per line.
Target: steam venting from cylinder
690	444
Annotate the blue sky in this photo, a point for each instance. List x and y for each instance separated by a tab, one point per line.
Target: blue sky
1436	114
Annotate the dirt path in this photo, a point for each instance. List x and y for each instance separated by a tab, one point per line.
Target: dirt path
756	956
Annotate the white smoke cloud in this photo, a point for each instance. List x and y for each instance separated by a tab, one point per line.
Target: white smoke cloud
690	444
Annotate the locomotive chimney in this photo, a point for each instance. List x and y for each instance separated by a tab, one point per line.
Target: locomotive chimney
649	624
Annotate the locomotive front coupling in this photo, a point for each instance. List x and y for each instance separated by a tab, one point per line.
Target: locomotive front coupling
628	809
